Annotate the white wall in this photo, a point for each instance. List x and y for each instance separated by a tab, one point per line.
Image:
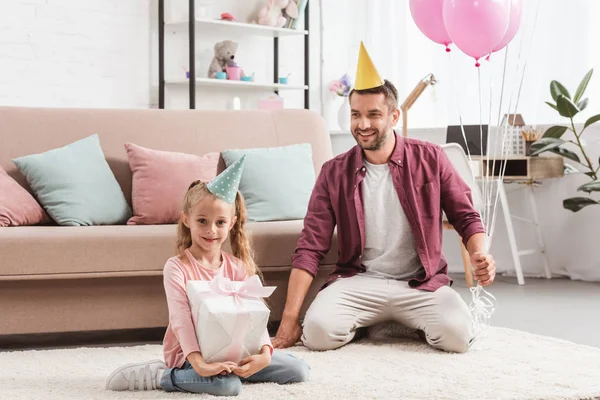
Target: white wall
73	53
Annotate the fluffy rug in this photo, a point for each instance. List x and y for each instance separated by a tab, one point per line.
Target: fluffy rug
509	364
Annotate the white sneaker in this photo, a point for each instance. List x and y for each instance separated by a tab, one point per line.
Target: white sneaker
140	376
391	330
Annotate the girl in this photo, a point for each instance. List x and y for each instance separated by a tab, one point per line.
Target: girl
210	212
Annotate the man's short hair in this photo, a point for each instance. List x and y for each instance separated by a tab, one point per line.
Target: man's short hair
387	89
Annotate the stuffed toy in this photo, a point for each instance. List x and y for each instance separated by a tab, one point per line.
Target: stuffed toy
224	57
271	14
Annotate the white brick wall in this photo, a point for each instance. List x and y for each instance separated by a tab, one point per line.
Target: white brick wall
75	53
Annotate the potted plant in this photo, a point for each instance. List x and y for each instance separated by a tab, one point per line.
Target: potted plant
569	107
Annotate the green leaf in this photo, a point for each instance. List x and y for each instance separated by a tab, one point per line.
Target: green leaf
545	144
582	104
566	107
590	187
582	86
556	89
592	120
590	174
566	153
555	132
552	105
577	203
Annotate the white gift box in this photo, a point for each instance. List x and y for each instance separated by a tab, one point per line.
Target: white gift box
229	317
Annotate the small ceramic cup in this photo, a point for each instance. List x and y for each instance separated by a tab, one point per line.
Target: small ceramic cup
234	73
283	80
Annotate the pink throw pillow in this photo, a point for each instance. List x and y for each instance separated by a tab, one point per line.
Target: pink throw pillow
17	205
160	180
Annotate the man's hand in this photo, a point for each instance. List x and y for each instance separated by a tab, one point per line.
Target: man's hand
251	365
288	334
208	370
485	268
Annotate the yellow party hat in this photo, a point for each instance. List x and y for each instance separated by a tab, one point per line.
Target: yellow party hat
367	76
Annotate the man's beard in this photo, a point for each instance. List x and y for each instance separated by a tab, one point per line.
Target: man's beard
380	138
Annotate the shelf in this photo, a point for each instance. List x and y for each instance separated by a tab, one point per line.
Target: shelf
337	132
250	29
226	83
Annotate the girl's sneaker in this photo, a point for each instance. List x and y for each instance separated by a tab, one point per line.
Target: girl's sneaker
139	376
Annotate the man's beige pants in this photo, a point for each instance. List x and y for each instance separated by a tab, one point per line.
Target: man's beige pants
362	301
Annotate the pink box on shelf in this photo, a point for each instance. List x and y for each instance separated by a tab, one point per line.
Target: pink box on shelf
271	103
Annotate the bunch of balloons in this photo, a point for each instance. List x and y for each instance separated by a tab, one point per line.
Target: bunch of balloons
477	27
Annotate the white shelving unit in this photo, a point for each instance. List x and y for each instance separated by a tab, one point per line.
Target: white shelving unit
239	27
339	132
193	25
241	84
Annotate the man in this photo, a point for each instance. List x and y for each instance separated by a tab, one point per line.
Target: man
386	197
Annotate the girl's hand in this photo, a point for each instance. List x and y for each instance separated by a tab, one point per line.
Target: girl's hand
220	368
251	365
212	369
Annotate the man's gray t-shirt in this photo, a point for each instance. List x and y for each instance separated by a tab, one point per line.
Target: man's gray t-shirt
389	244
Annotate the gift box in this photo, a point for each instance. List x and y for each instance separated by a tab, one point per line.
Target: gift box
229	317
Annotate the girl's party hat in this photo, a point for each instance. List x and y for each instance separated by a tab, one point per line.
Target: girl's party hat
225	185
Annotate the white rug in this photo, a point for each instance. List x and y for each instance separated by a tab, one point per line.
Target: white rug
511	365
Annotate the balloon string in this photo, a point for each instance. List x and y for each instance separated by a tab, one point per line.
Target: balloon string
483	305
503	169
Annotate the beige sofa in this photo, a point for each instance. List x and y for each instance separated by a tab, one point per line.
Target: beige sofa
61	279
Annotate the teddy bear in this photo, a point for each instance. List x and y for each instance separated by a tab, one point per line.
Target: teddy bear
224	57
271	14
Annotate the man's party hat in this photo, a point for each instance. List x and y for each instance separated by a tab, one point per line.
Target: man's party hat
367	76
225	185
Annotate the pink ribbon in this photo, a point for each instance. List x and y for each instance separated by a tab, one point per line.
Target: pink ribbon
252	288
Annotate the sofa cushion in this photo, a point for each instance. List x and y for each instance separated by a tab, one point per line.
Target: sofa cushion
75	249
160	180
17	205
276	182
127	248
75	184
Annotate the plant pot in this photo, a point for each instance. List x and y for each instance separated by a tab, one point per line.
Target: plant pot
344	115
528	144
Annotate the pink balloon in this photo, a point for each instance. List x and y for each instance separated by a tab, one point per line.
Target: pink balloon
476	26
427	15
516	13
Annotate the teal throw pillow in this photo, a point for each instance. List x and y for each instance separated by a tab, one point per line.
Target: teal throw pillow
75	184
276	182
